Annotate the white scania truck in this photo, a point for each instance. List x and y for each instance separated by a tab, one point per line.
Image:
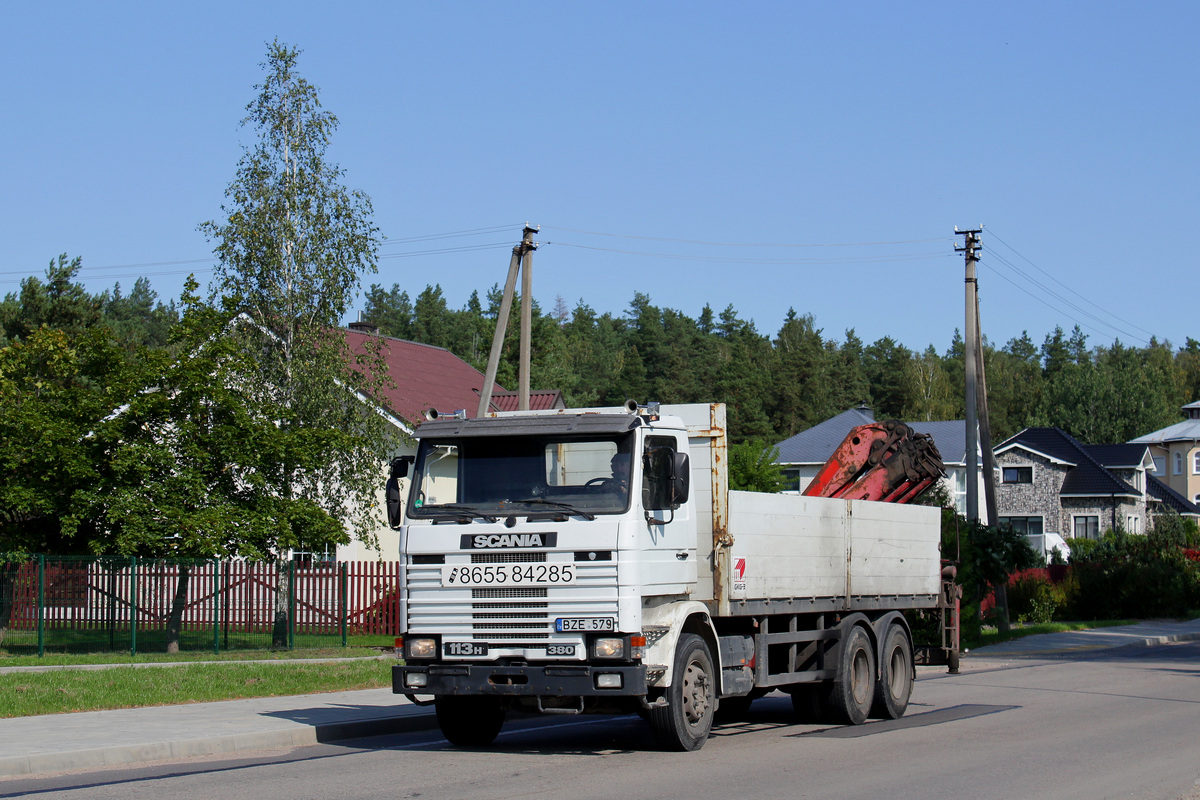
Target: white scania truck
595	561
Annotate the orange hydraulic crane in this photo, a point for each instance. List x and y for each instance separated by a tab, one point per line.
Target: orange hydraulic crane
885	461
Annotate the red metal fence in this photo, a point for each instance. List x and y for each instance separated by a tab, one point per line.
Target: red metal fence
78	603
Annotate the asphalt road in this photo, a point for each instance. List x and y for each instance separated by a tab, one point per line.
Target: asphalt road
1117	723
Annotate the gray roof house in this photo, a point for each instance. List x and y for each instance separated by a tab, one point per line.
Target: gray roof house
802	455
1051	483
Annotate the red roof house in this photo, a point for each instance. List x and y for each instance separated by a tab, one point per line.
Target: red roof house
423	377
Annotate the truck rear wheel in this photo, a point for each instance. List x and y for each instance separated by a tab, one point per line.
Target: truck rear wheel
684	723
470	721
854	687
896	677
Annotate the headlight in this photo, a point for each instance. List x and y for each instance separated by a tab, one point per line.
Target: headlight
609	647
423	647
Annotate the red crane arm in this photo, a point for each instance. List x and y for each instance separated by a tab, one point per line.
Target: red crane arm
885	461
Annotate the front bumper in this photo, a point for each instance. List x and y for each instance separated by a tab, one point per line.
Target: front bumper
550	680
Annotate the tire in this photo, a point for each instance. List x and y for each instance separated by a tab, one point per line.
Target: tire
684	723
895	684
470	721
853	689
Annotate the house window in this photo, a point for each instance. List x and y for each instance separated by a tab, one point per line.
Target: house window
959	476
1018	474
1087	527
1179	463
1133	524
326	554
791	480
1196	463
1030	526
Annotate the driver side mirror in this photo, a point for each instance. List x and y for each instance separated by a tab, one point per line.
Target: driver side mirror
398	470
680	479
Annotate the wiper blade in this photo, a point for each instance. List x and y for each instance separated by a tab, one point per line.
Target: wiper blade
570	509
470	511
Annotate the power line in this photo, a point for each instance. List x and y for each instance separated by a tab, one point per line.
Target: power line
1065	286
450	235
118	276
90	269
1064	300
1043	301
729	260
741	244
439	251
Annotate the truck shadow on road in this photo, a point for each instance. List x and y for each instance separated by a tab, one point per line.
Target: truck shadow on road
777	713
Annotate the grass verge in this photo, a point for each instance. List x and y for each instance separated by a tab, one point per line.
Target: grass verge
994	636
76	659
62	691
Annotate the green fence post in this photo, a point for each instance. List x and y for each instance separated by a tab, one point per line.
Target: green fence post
216	606
111	568
342	592
133	605
292	606
41	605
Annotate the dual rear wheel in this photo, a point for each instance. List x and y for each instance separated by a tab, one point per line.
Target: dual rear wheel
865	687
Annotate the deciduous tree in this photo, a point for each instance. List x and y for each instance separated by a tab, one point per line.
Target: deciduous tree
292	247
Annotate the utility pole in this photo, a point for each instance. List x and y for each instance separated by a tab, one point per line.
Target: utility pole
970	249
522	252
985	428
526	319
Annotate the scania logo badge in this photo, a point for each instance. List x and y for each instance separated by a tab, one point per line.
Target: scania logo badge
489	541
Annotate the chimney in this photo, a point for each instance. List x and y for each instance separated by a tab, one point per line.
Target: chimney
362	326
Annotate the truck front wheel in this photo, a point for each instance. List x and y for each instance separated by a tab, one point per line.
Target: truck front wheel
684	723
470	721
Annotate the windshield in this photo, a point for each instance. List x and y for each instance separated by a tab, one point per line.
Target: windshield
499	475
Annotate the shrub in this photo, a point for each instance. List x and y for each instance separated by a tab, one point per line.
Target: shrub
970	623
1174	530
1125	575
1031	598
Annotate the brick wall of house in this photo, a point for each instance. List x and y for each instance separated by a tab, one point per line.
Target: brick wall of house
1037	499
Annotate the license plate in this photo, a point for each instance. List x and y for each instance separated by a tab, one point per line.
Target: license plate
508	574
563	624
465	648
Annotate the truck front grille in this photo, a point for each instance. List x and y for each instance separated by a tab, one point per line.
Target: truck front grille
508	558
513	619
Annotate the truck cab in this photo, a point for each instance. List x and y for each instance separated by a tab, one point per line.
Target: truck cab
532	541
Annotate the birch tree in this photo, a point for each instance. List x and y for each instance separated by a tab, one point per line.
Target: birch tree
292	247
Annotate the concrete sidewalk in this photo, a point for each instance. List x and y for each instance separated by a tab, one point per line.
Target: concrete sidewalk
1076	642
129	736
58	742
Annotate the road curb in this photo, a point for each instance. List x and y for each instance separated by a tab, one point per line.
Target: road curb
136	754
1145	641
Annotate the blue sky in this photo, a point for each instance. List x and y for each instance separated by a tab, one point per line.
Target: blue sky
662	147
